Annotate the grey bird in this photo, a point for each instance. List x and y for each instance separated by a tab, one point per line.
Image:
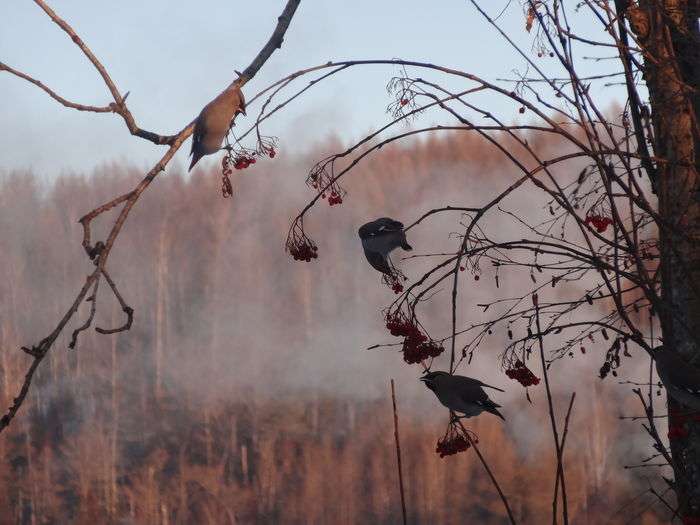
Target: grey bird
461	394
214	121
681	379
379	238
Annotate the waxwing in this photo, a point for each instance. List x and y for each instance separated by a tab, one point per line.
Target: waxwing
214	121
461	394
379	238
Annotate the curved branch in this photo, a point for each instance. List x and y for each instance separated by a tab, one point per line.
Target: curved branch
58	98
119	104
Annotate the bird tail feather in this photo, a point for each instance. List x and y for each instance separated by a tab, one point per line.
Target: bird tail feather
491	386
196	155
495	411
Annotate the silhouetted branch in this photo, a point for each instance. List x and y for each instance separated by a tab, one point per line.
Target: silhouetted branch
53	94
119	104
559	478
472	442
275	41
100	251
398	452
93	308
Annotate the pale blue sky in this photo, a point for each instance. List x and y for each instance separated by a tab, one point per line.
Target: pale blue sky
175	56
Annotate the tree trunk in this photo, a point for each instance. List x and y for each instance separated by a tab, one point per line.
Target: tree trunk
668	32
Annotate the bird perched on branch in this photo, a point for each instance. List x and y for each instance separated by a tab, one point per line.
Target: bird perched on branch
379	238
461	394
681	379
214	121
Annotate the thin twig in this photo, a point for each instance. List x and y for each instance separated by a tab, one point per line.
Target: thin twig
552	419
58	98
472	442
88	321
398	452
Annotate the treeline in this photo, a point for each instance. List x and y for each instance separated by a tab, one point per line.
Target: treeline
243	393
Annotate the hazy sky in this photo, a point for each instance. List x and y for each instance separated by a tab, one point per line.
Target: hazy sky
174	57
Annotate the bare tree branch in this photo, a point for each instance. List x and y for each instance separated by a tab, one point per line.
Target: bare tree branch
101	250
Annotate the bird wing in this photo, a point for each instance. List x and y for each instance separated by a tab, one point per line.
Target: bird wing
196	152
381	226
470	391
471	381
378	261
388	224
474	394
196	136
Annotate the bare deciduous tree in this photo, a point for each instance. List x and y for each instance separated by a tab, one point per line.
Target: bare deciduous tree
619	210
612	247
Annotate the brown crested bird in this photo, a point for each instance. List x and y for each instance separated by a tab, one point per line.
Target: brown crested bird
214	121
461	394
681	379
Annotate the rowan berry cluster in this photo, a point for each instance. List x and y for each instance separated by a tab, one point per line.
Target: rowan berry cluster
419	349
448	447
304	252
394	280
300	246
416	345
599	222
226	171
522	374
243	161
321	179
334	198
455	440
401	326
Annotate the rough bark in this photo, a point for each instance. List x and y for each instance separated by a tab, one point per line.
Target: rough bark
668	33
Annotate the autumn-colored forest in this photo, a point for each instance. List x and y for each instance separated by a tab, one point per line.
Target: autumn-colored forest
244	392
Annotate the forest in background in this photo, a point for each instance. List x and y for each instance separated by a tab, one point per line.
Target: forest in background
243	393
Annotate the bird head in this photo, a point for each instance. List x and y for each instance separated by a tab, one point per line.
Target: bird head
430	379
366	231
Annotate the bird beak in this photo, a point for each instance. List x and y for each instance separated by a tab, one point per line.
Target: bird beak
424	379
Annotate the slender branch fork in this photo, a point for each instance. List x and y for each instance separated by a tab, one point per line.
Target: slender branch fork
99	251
